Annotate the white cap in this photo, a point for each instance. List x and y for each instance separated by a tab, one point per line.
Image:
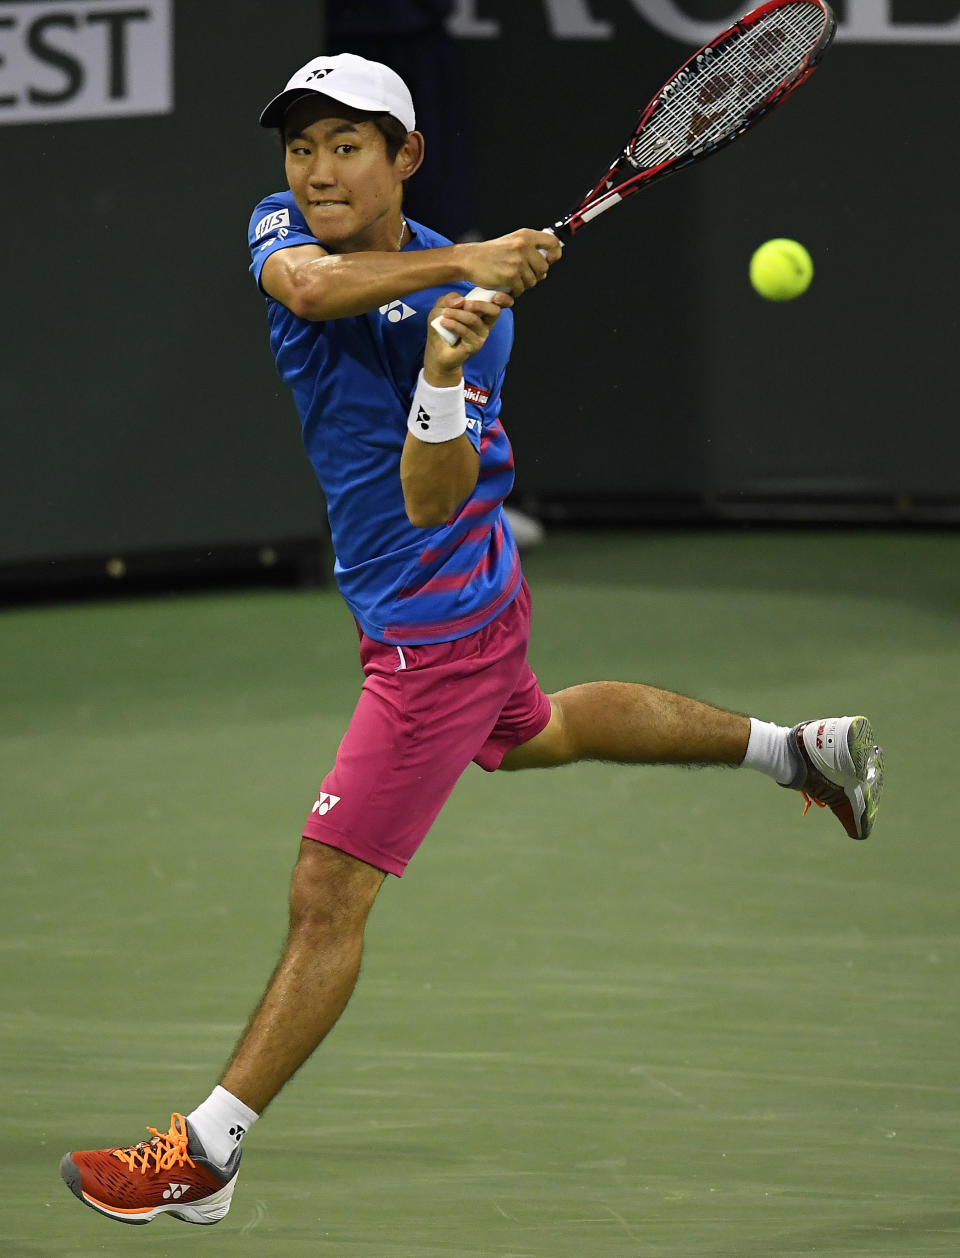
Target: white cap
352	81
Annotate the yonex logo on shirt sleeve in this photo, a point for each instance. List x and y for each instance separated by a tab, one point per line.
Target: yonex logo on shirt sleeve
282	234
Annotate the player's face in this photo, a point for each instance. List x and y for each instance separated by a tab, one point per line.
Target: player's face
342	179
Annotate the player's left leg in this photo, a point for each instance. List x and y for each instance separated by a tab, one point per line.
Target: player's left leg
833	762
632	724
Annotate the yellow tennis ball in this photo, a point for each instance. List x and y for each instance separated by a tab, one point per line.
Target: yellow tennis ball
781	270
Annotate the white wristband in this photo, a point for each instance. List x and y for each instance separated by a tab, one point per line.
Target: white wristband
437	414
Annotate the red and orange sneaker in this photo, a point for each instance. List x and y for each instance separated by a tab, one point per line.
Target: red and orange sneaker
169	1174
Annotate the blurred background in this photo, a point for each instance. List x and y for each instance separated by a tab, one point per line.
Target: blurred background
144	428
606	1014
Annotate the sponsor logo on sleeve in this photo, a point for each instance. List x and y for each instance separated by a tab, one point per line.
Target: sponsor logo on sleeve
474	393
279	218
282	234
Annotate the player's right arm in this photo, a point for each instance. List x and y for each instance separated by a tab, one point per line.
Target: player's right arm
437	476
317	285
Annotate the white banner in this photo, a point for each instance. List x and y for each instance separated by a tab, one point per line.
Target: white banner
860	21
66	59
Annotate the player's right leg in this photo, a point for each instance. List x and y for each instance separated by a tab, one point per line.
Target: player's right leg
422	716
331	896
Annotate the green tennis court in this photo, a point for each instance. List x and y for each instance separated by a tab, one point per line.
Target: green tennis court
608	1013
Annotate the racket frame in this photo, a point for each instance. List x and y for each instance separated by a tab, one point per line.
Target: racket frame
623	178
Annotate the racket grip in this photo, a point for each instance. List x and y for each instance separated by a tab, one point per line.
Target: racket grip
475	294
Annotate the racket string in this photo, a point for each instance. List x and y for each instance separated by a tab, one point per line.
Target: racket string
709	101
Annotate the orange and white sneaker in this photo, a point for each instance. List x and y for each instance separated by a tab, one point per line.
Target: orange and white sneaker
842	770
168	1174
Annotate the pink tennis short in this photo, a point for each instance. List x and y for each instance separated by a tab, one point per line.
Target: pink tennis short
425	712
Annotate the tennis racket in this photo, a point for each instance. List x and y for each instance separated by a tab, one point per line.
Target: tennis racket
723	90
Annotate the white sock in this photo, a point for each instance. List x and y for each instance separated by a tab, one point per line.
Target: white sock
770	751
221	1122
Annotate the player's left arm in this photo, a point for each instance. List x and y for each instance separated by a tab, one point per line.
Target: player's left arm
437	476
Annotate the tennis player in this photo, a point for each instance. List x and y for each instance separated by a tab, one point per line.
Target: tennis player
405	434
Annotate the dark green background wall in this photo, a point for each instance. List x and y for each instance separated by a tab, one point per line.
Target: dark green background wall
648	365
140	408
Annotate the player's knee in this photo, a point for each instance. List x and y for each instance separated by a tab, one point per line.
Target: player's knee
563	741
331	892
555	745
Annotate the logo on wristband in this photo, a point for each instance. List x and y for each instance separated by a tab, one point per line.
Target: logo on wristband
423	419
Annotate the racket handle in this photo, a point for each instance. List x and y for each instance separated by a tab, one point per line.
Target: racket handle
475	294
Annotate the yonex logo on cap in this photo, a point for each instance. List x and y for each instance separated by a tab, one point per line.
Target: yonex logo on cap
361	84
324	803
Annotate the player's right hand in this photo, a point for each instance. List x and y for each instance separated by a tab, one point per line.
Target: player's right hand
512	263
470	322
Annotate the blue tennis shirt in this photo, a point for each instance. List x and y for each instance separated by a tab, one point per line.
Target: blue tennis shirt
353	381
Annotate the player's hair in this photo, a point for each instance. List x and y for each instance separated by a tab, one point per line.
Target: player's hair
392	129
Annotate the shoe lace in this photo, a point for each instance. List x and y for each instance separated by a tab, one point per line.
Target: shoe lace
810	800
164	1151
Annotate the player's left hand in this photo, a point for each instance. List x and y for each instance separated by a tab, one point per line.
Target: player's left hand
471	321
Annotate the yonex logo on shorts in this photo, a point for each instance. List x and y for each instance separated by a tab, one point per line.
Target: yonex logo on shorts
325	803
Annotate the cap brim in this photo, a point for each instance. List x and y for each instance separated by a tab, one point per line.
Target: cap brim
276	111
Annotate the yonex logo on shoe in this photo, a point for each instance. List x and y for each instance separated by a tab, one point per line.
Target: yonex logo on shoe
324	803
820	728
175	1192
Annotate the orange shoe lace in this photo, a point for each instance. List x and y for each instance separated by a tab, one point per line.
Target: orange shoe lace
810	800
163	1151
